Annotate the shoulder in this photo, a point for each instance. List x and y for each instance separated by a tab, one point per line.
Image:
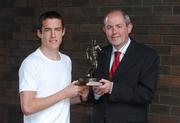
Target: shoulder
31	59
144	49
65	57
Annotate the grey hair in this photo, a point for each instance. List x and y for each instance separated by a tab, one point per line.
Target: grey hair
126	16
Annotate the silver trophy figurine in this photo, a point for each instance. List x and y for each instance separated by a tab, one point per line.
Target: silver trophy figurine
92	52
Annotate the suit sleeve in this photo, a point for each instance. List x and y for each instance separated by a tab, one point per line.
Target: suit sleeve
144	88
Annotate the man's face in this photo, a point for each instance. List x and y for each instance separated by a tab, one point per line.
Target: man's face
51	34
116	30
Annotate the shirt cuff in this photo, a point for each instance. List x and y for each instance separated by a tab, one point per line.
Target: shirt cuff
111	88
97	96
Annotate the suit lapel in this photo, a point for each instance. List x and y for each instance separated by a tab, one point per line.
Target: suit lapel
107	58
127	59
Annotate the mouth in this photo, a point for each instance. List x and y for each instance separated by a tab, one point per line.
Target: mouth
52	41
115	37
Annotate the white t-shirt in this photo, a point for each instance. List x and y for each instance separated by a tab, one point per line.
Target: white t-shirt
46	77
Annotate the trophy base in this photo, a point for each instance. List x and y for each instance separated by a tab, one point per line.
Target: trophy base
89	82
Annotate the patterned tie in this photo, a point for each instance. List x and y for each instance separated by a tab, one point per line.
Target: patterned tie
114	65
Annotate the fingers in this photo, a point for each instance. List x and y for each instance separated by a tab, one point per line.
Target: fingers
83	91
75	82
105	88
104	81
98	90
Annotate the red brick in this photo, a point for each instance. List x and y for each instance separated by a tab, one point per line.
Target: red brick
171	19
148	39
157	29
97	2
90	28
162	10
11	93
159	109
169	119
35	3
4	51
72	28
2	60
175	50
123	2
152	2
163	50
20	3
169	100
164	69
170	60
171	39
73	11
5	68
19	36
170	80
171	2
175	70
153	118
147	19
47	3
32	36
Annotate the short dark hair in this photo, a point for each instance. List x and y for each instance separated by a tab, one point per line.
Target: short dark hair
49	14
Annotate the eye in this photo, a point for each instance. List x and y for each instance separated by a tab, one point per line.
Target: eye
58	29
119	26
47	29
108	27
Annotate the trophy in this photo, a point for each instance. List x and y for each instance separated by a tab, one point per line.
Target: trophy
92	52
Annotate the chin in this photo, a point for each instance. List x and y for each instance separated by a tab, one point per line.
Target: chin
116	42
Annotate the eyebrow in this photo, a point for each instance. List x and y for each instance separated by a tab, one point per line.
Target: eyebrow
52	28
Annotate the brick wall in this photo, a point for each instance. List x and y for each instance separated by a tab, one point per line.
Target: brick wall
156	23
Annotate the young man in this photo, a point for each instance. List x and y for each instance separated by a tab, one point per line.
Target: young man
129	73
45	76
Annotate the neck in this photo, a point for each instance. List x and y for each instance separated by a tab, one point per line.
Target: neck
51	54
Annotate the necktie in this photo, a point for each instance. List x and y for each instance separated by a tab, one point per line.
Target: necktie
114	65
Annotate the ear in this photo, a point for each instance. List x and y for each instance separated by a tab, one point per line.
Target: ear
103	29
130	27
63	31
39	33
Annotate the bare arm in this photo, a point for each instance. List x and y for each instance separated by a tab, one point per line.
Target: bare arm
30	104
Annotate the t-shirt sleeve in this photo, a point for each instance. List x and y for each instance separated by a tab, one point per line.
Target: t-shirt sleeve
28	76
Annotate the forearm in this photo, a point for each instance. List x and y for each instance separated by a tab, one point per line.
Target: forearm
75	100
32	104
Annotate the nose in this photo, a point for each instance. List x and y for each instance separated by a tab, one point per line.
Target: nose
114	30
53	34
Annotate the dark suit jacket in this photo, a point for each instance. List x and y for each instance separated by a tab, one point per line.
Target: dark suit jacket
134	85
